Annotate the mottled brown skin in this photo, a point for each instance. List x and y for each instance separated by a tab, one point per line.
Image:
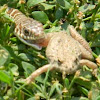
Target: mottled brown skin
65	54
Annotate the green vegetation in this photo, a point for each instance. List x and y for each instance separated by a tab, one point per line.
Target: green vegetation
18	60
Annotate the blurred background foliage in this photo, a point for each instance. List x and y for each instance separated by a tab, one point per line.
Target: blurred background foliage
18	60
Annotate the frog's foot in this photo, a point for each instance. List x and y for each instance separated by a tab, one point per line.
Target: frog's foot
90	65
63	74
38	72
79	38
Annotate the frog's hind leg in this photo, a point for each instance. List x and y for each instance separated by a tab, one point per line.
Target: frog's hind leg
88	63
79	38
39	71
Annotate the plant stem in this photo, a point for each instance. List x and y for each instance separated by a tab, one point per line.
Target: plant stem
94	12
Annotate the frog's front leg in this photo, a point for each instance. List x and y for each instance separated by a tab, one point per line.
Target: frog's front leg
79	38
38	72
84	46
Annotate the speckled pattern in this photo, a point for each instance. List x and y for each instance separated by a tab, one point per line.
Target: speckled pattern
66	52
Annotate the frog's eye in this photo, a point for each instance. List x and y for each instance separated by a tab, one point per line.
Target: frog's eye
26	32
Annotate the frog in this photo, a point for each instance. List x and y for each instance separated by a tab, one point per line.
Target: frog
66	53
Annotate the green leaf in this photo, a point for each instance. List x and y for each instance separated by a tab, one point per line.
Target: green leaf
41	95
40	16
96	26
66	82
1	98
95	90
32	98
86	7
96	41
26	57
18	47
58	88
84	90
28	68
89	25
14	69
52	89
59	13
81	81
5	77
4	56
64	4
83	98
20	95
97	50
98	98
45	6
98	15
7	18
79	98
32	3
4	34
75	98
